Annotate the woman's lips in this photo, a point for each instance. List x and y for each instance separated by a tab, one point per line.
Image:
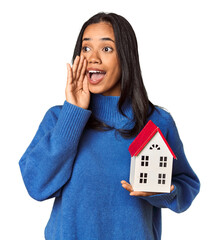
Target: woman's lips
95	78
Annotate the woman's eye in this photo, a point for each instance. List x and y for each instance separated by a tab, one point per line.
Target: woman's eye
107	49
85	49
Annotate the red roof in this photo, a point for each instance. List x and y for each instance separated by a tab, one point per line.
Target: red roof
144	137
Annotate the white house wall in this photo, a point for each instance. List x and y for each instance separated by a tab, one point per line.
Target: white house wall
153	169
132	170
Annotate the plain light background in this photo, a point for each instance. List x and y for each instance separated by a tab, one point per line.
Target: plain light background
179	56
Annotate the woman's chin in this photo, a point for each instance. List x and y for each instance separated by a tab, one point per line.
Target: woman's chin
95	89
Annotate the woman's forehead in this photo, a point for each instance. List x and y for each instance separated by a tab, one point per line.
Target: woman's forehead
99	31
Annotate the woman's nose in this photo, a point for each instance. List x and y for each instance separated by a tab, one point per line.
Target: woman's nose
94	58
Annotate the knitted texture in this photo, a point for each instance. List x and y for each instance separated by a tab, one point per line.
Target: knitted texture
82	168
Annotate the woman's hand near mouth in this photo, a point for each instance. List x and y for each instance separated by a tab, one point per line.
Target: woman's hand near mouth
76	90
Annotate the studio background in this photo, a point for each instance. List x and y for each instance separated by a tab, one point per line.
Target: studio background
179	57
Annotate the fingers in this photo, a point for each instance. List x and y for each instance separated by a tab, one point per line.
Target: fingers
78	70
75	67
80	66
171	188
83	70
127	186
69	74
85	84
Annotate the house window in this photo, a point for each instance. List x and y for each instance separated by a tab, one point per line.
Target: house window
161	178
145	161
154	146
143	178
163	161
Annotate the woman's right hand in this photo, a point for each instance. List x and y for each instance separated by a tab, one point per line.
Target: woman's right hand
76	90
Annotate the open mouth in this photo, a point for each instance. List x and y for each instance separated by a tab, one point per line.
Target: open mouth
96	76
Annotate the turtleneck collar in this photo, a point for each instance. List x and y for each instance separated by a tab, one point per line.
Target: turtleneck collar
105	108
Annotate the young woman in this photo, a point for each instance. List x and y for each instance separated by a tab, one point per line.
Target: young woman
80	155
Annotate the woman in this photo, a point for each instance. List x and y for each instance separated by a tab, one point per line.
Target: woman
80	155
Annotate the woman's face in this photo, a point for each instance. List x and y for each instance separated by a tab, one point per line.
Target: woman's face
103	67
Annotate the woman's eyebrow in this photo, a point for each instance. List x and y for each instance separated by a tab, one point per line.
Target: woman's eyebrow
102	39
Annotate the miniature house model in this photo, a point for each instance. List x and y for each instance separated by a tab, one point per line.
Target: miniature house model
151	161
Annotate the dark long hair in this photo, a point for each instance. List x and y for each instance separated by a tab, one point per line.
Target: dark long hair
132	85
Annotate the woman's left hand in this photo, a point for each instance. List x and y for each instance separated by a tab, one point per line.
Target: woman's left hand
129	188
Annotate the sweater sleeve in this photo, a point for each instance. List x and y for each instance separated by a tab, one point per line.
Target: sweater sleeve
47	163
186	183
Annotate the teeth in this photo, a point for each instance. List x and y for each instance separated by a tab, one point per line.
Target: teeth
92	71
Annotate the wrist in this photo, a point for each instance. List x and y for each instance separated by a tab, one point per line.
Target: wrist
84	106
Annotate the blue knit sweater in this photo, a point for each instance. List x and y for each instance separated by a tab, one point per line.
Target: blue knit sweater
82	168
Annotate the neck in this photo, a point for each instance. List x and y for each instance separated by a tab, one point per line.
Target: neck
105	108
